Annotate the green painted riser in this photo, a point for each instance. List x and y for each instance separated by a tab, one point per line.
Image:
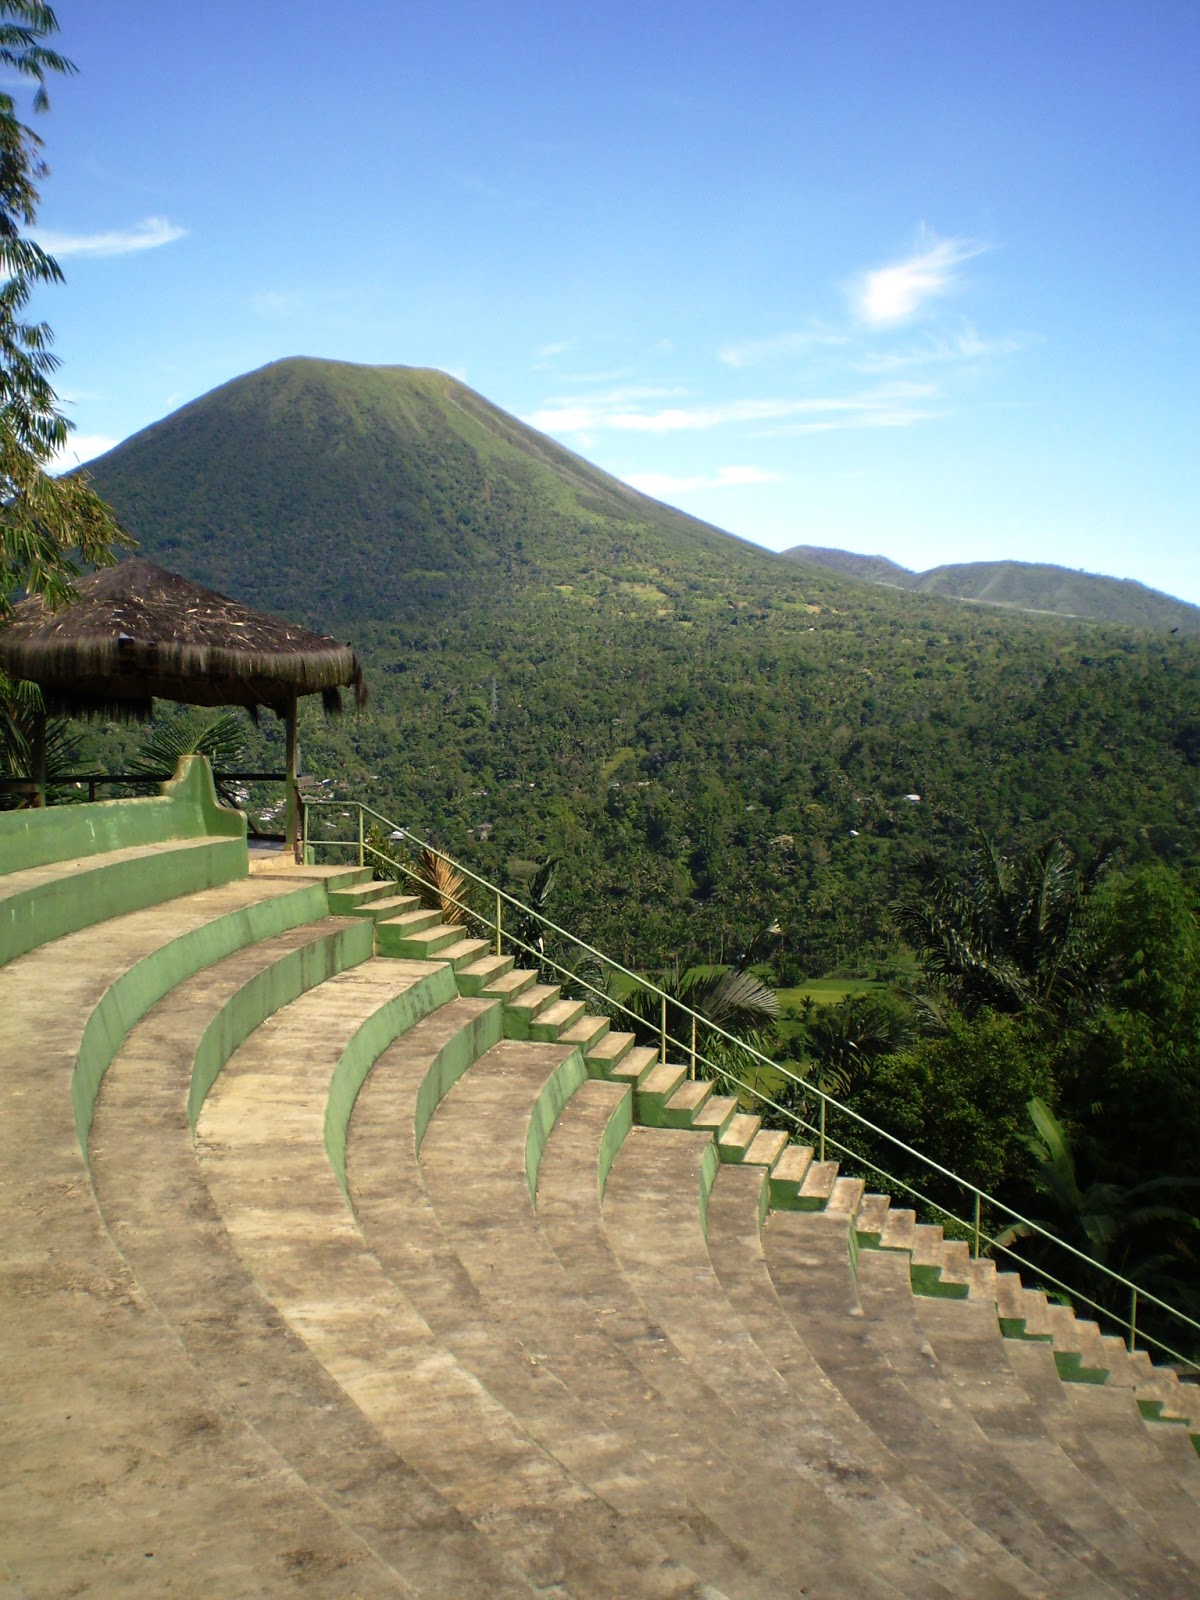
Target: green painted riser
368	1044
97	893
187	808
1072	1370
927	1281
547	1108
710	1165
128	998
266	993
451	1061
616	1131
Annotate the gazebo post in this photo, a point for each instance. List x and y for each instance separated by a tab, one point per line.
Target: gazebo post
293	767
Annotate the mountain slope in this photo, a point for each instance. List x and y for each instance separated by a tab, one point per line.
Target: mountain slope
383	489
1021	586
710	737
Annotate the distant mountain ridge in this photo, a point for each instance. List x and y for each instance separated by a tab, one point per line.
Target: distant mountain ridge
1019	586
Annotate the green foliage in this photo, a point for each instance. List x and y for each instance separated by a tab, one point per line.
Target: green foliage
1008	933
46	524
1023	586
961	1099
221	739
708	736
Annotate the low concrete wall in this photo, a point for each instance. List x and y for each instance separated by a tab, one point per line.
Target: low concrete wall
187	808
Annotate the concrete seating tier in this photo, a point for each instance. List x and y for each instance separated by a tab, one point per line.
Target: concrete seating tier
343	1257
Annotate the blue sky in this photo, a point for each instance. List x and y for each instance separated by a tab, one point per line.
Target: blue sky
917	279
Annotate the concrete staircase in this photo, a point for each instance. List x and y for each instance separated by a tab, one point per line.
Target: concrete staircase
342	1257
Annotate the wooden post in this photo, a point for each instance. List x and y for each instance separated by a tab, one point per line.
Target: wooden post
37	757
293	767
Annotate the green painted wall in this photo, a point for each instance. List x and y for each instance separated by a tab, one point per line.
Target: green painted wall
451	1061
266	993
129	997
365	1048
552	1097
186	808
616	1131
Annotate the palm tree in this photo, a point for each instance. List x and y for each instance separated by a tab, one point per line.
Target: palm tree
1009	934
1104	1220
190	733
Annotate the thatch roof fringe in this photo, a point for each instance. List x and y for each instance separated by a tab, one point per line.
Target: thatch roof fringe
137	631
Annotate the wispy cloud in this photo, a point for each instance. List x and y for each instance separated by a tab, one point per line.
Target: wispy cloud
602	414
146	235
893	294
660	484
752	352
967	345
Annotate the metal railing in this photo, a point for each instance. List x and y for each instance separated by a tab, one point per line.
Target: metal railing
980	1206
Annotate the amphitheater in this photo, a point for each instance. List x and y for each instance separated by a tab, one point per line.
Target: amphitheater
343	1258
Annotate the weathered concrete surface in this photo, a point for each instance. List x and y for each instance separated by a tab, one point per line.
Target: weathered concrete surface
262	1138
120	1472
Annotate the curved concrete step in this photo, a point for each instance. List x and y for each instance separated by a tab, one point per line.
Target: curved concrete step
263	1135
735	1213
967	1345
809	1258
123	1474
476	1170
158	1209
653	1213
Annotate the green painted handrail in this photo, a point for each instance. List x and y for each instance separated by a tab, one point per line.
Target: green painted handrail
979	1198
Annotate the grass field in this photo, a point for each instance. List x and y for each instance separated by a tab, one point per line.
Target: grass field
824	991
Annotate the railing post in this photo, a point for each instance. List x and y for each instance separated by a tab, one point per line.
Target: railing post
361	852
304	836
693	1044
1132	1319
498	909
977	1224
662	1053
821	1156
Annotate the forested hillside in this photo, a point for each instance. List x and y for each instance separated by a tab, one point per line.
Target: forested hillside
709	735
1022	586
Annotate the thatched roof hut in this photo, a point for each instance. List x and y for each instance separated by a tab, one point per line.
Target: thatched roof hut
137	632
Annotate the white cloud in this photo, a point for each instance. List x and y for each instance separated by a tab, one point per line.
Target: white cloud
892	294
751	352
601	413
147	235
661	484
81	447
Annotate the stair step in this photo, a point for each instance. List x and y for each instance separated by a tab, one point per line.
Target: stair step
685	1104
422	943
736	1137
393	905
476	975
463	951
653	1092
788	1174
899	1230
635	1065
817	1186
871	1217
716	1113
604	1056
411	921
350	901
983	1280
521	1009
929	1264
845	1197
508	985
586	1031
765	1148
550	1021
